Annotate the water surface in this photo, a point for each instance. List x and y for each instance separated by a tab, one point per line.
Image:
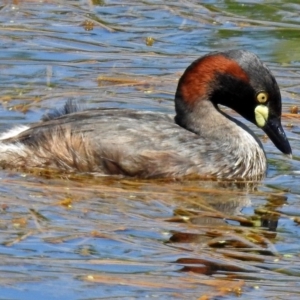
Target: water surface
72	237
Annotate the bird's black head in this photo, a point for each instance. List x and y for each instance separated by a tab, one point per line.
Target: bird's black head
239	80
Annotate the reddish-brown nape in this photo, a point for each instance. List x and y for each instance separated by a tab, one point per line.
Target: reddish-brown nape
196	80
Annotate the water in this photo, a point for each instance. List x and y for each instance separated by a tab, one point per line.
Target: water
72	237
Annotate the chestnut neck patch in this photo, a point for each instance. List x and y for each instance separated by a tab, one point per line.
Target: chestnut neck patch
199	76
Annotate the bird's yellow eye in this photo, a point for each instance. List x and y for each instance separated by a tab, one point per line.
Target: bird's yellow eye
262	97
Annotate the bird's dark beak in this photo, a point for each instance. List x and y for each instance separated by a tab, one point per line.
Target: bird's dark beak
275	132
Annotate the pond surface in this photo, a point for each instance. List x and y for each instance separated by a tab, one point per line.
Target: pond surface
72	237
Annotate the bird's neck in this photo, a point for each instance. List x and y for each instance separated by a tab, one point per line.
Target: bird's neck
203	118
236	141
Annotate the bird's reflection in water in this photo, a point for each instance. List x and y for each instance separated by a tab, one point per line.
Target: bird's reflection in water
219	229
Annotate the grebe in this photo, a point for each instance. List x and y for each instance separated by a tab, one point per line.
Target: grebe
201	139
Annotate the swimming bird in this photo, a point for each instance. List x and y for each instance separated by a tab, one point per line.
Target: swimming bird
200	140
